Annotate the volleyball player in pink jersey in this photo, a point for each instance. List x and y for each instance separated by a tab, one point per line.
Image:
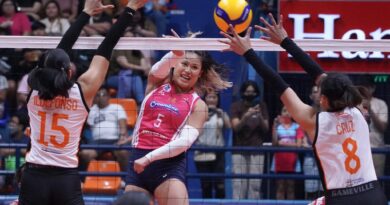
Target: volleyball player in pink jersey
170	120
58	108
339	133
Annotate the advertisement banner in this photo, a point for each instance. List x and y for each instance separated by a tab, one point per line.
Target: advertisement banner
338	19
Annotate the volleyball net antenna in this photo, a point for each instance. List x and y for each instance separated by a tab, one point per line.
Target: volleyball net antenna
205	44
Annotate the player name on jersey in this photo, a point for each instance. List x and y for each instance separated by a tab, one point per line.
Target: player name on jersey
57	103
345	127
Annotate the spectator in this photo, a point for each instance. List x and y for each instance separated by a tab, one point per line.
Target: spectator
313	187
13	133
98	25
38	29
286	133
108	125
142	26
212	162
4	111
157	11
69	9
30	7
14	22
28	63
377	122
55	24
133	67
250	126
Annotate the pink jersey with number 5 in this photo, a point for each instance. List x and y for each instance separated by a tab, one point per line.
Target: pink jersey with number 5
163	113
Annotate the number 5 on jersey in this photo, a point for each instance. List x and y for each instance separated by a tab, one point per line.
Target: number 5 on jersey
159	119
54	126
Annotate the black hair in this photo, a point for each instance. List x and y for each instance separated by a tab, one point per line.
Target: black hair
13	2
340	91
50	78
248	83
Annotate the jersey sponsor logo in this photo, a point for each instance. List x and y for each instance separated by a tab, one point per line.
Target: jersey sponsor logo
352	190
47	149
169	107
167	88
148	132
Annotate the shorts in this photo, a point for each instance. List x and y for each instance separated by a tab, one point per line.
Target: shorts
367	193
157	172
47	185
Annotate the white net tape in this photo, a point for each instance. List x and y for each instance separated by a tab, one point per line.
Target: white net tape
207	44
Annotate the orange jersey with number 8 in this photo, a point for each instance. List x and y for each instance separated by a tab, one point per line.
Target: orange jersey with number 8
342	146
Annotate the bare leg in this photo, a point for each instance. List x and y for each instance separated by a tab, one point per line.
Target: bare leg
170	192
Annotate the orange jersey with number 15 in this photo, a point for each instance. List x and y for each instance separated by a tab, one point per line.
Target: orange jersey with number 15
342	146
56	126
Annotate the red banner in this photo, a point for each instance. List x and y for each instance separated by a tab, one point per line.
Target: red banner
337	19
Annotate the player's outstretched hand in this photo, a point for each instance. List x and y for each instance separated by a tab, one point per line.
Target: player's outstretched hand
175	35
237	43
94	7
275	32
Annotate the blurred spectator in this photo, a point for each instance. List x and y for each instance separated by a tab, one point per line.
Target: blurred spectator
134	198
4	112
108	125
261	8
157	10
250	126
286	133
14	22
133	67
142	26
98	25
68	8
30	7
212	162
29	62
13	133
313	187
55	24
38	29
377	121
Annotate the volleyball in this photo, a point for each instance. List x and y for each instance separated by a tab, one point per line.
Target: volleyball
235	12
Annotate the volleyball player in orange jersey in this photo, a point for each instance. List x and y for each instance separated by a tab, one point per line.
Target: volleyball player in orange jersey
58	108
339	133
